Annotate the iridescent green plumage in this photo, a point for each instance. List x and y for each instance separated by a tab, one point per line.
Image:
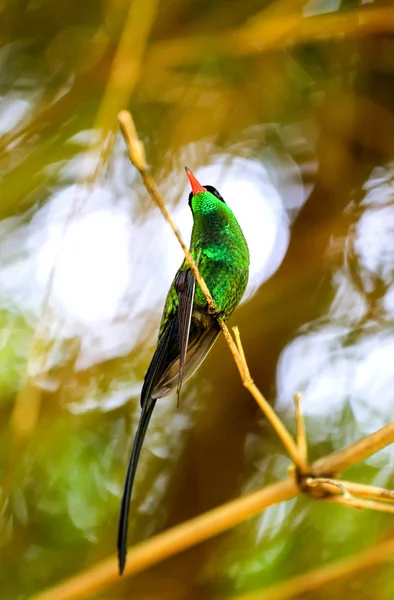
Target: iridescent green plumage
219	247
187	330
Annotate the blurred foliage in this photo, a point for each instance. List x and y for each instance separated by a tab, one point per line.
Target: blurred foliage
304	88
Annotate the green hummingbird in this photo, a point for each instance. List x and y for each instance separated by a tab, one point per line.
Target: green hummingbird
188	330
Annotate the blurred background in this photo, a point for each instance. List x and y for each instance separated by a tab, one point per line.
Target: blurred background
287	107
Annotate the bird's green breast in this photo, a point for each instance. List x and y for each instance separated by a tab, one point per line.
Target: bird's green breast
224	254
220	249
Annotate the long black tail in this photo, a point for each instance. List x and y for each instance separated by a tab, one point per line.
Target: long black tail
168	342
146	414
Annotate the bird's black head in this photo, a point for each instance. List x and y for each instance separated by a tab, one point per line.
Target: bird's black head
197	188
210	189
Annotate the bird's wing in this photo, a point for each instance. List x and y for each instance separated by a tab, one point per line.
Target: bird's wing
200	343
185	286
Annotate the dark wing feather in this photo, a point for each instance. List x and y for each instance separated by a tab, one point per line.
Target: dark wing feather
185	286
157	366
200	343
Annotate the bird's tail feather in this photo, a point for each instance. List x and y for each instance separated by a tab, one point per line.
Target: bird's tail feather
146	414
157	366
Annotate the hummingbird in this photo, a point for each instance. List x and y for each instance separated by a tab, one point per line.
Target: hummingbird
188	329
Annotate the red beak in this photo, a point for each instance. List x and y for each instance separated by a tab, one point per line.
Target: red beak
196	185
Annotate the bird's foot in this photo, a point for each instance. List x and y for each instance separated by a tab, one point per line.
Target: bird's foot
215	313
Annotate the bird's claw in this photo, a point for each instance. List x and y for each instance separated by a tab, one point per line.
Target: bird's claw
214	312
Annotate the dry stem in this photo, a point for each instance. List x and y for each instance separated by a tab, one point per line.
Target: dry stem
301	433
327	484
237	335
369	491
343	459
347	499
350	489
359	503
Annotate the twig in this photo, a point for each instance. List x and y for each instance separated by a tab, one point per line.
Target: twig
233	349
137	157
359	503
318	578
301	434
369	491
343	459
276	423
237	335
326	482
347	499
350	489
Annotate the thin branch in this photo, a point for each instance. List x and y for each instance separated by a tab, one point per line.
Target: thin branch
350	489
276	423
233	349
237	335
344	459
359	503
327	483
318	578
347	499
301	433
369	491
137	157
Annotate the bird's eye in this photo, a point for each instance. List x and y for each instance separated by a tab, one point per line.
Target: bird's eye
214	191
210	189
